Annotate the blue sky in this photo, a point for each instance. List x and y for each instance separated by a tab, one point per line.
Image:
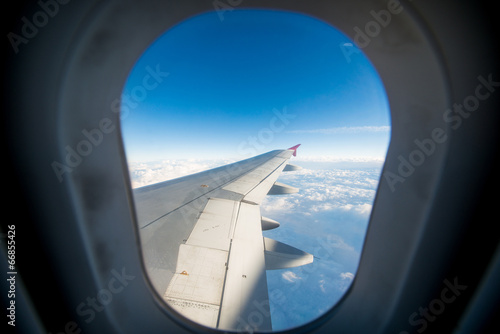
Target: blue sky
255	82
229	81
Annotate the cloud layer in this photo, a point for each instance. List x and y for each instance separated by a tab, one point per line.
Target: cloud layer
328	218
145	173
327	190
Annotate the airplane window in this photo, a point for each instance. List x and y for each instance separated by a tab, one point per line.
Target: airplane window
223	87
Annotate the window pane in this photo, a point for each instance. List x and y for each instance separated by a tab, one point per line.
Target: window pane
216	89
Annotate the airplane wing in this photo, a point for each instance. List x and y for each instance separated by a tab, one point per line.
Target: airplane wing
203	246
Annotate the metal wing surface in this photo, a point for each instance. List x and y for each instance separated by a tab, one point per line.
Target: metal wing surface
202	241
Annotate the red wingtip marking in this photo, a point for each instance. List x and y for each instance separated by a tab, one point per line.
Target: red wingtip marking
294	149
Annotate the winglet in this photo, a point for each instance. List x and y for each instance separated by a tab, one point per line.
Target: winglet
294	149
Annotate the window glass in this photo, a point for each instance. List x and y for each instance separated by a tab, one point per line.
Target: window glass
217	89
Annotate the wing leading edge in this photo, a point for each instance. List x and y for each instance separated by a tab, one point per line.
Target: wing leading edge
203	246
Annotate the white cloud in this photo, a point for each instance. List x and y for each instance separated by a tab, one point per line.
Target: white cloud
345	281
145	173
335	241
339	190
364	209
280	204
322	207
322	285
290	276
347	276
